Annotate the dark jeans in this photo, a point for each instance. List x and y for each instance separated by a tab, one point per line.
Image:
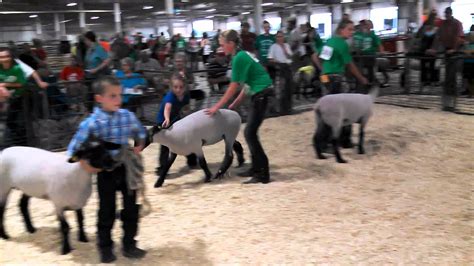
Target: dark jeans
428	72
255	118
16	122
165	154
285	93
107	184
450	89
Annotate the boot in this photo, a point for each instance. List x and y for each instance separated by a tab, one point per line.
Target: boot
133	252
107	256
259	177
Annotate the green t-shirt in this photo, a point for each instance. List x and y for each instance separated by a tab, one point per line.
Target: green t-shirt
247	69
335	54
367	43
13	75
180	44
262	44
318	43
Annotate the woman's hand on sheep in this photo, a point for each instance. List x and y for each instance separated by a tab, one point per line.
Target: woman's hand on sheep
211	111
166	123
88	168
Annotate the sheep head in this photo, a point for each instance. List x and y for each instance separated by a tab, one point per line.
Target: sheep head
97	153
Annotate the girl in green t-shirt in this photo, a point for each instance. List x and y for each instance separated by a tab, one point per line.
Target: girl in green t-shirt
246	69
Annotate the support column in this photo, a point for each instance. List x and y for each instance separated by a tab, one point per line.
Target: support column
257	17
57	27
39	28
82	18
117	18
309	9
169	6
336	17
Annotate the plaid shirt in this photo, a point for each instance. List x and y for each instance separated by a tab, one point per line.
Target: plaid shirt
116	127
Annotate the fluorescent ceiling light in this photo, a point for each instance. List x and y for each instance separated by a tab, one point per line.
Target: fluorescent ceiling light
95	17
267	4
160	12
33	16
347	1
211	10
301	4
130	17
72	4
209	16
245	13
147	7
182	20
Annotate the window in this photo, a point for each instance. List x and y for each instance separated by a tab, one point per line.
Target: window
323	23
275	23
385	20
201	26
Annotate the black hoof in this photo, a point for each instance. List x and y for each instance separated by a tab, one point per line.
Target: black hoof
361	152
321	157
207	180
241	162
159	182
341	161
66	250
31	229
83	238
3	235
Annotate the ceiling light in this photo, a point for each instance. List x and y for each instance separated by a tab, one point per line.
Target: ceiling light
147	7
347	1
95	17
209	16
245	13
301	4
33	16
130	17
211	10
267	4
72	4
159	12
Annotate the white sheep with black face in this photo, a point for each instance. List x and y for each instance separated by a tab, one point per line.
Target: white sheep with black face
335	111
198	129
53	176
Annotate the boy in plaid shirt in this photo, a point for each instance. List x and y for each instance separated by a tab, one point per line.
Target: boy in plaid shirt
110	123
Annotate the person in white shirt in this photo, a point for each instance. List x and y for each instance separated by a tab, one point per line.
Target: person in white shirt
279	57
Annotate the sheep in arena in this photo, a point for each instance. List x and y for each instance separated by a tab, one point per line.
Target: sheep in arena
198	129
335	111
48	175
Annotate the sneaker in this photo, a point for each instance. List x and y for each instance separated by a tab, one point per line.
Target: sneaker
133	253
107	256
256	180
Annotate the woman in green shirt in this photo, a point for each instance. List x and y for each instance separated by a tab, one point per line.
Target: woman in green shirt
336	58
246	69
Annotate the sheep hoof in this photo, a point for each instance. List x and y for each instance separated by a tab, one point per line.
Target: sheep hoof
241	162
219	176
207	180
66	249
159	182
341	161
362	152
83	238
31	229
321	157
4	235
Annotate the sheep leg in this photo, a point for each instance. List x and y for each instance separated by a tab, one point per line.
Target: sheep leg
165	169
317	143
240	152
203	164
335	143
65	233
361	139
26	214
228	158
3	204
80	221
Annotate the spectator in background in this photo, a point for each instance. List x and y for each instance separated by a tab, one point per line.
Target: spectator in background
132	84
96	60
180	44
263	43
449	40
162	40
206	48
13	49
192	49
280	54
468	69
105	44
38	50
79	50
13	79
426	36
215	41
76	92
248	38
366	45
380	61
119	49
28	57
148	67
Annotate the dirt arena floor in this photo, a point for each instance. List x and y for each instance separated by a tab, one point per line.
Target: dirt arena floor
409	200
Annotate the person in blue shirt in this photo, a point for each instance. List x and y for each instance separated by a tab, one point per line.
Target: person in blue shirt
170	111
97	59
110	123
133	84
